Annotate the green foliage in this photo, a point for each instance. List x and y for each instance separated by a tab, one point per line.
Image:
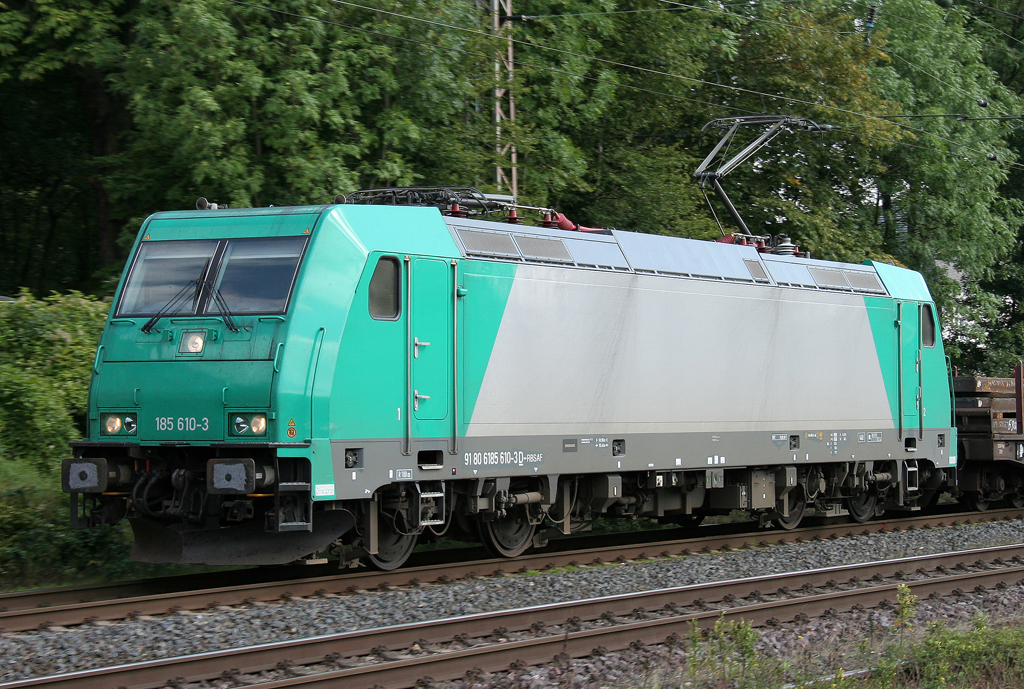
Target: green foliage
48	352
730	655
728	652
37	547
905	611
122	108
984	656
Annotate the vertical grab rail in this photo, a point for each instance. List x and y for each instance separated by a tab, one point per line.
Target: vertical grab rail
408	356
455	357
920	370
314	364
899	365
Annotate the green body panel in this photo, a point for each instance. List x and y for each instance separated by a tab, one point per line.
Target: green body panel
253	341
909	292
299	367
319	371
405	230
370	349
200	393
432	363
882	315
231	223
369	389
908	316
936	384
901	283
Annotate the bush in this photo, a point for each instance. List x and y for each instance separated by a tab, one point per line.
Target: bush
49	348
38	547
45	363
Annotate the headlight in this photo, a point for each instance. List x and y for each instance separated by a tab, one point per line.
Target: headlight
258	424
240	425
195	343
248	424
192	342
119	424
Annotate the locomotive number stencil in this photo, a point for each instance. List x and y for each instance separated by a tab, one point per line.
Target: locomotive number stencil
496	458
182	423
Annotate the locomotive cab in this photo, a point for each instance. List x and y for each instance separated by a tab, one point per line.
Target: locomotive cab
200	405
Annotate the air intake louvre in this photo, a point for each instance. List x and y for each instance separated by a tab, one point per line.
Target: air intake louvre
756	270
540	249
829	278
864	282
488	243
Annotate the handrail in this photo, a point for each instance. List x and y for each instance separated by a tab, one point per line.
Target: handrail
408	356
899	365
455	357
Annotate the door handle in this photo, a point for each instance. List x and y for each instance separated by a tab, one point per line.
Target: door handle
416	344
416	397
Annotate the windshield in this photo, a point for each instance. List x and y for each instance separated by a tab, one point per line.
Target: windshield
256	275
248	276
162	271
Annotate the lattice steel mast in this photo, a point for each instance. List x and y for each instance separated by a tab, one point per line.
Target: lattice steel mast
506	172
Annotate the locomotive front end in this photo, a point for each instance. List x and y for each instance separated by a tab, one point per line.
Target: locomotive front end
197	432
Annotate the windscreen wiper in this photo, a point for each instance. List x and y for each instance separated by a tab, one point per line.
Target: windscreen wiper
218	299
173	304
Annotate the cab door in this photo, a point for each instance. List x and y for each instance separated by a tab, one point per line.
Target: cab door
430	332
909	325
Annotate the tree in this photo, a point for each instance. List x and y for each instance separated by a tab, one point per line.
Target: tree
53	60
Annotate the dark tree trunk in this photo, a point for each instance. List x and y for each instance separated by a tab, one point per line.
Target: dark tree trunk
109	121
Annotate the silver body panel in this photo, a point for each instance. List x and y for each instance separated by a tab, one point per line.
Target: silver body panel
587	352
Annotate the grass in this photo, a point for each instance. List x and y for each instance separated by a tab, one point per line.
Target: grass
978	655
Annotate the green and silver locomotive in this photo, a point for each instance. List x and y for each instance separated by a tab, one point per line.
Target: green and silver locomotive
278	382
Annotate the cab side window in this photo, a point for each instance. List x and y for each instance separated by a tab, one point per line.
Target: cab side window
385	290
927	326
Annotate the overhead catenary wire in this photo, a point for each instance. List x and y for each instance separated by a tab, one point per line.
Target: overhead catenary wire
488	56
570	53
996	9
890	49
761	20
863	3
614	63
648	70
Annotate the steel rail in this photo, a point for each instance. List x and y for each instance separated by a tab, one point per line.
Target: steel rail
67	607
488	641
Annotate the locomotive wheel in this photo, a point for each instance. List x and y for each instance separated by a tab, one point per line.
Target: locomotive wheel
393	548
796	513
861	507
975	502
508	536
1014	500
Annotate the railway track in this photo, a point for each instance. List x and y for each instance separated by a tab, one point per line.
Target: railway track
402	656
70	606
